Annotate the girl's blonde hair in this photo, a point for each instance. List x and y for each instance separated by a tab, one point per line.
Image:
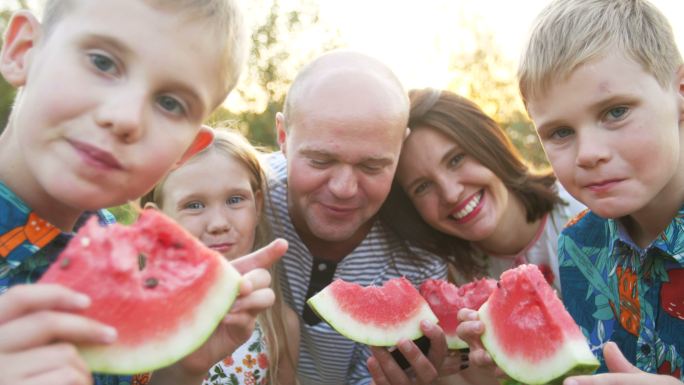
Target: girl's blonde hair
272	321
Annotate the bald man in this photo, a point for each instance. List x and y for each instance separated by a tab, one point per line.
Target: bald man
340	135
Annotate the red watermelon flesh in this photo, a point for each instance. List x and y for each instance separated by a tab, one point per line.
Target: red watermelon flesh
446	299
373	315
163	290
529	333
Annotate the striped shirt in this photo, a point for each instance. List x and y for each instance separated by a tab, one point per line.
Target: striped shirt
326	357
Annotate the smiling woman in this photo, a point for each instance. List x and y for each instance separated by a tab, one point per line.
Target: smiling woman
463	192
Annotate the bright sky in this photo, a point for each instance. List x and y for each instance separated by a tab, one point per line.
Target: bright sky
417	38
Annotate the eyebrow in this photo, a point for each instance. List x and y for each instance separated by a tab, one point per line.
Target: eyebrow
382	160
122	49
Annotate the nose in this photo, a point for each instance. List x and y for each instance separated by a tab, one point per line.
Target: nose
591	149
123	114
218	221
343	183
450	188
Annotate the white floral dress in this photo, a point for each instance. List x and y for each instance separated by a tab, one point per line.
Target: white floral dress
247	365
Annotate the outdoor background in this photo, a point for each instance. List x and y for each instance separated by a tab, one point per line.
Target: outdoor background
467	46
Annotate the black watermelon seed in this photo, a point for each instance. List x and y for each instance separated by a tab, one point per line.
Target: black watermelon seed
142	261
151	282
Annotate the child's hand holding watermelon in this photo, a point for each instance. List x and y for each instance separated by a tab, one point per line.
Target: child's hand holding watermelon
37	333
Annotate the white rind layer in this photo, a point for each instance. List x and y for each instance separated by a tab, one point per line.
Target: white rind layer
573	353
171	347
326	306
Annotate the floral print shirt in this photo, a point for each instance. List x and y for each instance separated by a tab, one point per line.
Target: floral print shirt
247	365
28	245
617	291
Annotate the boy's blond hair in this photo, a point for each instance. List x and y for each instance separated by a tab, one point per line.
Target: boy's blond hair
223	16
569	33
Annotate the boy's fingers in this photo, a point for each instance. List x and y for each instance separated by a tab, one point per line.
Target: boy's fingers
48	358
45	327
262	258
25	299
616	361
60	376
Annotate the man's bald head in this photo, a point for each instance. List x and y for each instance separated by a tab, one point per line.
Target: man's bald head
361	79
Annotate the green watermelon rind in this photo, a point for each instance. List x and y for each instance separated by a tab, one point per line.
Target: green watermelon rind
574	359
455	343
326	307
122	360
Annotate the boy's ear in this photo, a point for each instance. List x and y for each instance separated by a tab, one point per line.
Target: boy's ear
21	36
151	205
204	138
680	89
281	132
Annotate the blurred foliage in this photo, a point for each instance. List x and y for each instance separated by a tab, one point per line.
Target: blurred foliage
278	31
125	213
486	77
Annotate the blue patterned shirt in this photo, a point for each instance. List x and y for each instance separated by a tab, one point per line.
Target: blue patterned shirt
617	291
28	245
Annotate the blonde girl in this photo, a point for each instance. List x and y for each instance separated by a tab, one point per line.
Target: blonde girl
219	196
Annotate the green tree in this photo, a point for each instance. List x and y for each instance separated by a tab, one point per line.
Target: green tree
283	40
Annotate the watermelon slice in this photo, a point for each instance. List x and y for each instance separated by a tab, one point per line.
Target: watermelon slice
373	315
528	332
446	299
155	283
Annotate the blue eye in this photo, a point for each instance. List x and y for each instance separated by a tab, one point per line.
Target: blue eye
102	62
170	104
194	205
235	200
617	112
562	133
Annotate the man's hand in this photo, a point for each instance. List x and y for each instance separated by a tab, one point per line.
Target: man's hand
385	371
621	372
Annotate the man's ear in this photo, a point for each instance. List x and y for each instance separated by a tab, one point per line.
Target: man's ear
21	37
203	139
281	132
